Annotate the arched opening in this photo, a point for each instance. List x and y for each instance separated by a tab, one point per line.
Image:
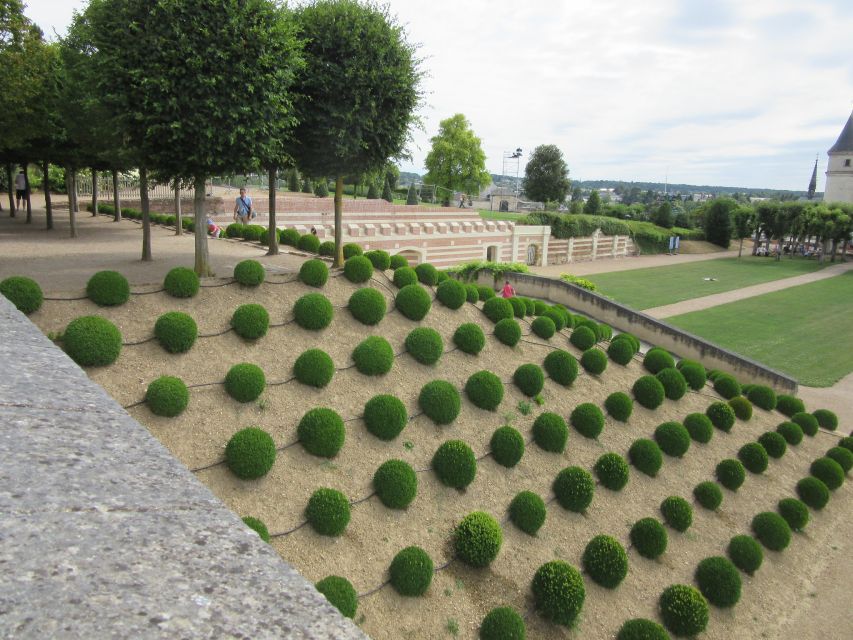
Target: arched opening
492	253
413	257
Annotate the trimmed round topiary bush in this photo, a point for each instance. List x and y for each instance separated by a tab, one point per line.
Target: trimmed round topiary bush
451	293
795	513
642	629
673	439
754	457
708	494
699	427
469	338
771	530
167	396
657	359
24	293
574	488
454	464
442	276
719	581
721	415
477	539
250	453
313	311
529	379
497	309
592	325
485	293
351	249
290	237
813	492
326	248
543	327
413	301
558	316
677	513
561	366
762	397
385	416
844	457
503	623
846	442
427	274
485	390
373	356
367	305
558	592
774	444
176	331
594	361
620	351
258	526
583	338
396	261
108	289
588	419
314	273
674	384
742	408
405	276
828	471
308	242
321	432
395	484
826	419
605	561
550	432
340	593
314	368
808	423
425	345
791	431
518	307
789	405
250	321
745	553
631	338
649	538
381	260
92	341
694	374
245	382
730	473
472	295
527	512
646	455
358	269
684	610
411	571
249	273
507	446
440	401
328	512
648	391
726	386
181	282
619	406
612	471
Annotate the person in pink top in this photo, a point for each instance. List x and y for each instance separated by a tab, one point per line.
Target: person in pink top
507	291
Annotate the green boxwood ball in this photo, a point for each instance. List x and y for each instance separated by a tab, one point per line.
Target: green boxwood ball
314	273
550	432
527	512
250	453
543	327
620	351
649	538
396	484
425	345
503	623
795	513
694	374
631	338
308	242
508	331
249	273
648	391
108	289
594	361
588	419
529	378
745	553
385	416
708	494
313	311
789	405
657	359
605	331
726	386
684	610
314	368
677	513
92	341
762	397
719	581
181	282
427	274
258	526
245	382
742	407
442	276
472	295
583	338
519	309
699	427
358	269
413	301
826	419
24	293
454	464
326	248
373	356
605	561
485	293
176	331
367	305
321	432
574	488
440	401
646	455
558	317
844	457
561	366
381	260
451	293
791	431
771	530
754	457
328	512
411	572
340	593
167	396
469	338
351	249
478	539
497	309
397	261
813	492
674	384
846	442
730	473
289	237
774	444
405	276
619	406
673	439
828	471
642	629
507	446
250	321
808	423
590	324
721	415
485	390
558	592
612	471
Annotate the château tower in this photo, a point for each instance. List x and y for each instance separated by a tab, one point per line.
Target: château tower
839	172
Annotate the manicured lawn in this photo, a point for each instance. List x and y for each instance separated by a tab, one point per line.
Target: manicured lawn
657	286
804	331
485	214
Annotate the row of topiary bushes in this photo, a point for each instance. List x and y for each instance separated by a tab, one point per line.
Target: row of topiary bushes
187	222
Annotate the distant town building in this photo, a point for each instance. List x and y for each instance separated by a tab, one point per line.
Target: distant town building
839	171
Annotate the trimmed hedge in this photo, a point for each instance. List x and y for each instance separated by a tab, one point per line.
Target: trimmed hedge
774	444
373	356
485	390
708	494
24	293
314	367
754	457
326	248
726	386
583	338
502	623
561	366
594	361
543	327
588	419
321	432
396	261
789	405
454	464
250	453
425	345
558	592
574	488
745	553
328	512
674	384
612	471
791	431
497	309
648	391
313	311
508	331
646	456
314	273
427	274
518	307
631	338
694	374
451	293
550	432
527	512
167	396
396	484
258	527
605	561
813	492
340	593
808	423
385	416
699	427
181	282
289	237
367	305
742	408
250	321
405	276
677	513
641	629
529	379
719	581
440	401
730	473
245	382
620	351
108	289
657	359
826	419
92	341
846	442
619	406
673	439
828	471
721	415
249	273
762	397
351	249
794	512
844	457
358	269
413	301
684	610
649	538
477	539
472	295
507	446
558	317
485	293
469	338
381	260
771	530
176	331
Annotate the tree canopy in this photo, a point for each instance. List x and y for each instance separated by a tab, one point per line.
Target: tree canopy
546	176
456	160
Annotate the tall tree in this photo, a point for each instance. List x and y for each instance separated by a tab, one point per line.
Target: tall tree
592	206
546	176
456	160
662	215
718	221
743	218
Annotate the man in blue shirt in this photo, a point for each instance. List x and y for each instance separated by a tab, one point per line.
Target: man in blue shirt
243	209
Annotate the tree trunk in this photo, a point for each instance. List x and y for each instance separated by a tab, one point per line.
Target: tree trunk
844	251
273	230
94	192
71	181
146	215
202	261
27	194
740	249
832	252
339	247
11	182
116	198
48	205
179	222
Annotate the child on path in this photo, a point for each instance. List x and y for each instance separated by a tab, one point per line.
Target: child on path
213	229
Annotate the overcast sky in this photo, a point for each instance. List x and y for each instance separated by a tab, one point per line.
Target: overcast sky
741	93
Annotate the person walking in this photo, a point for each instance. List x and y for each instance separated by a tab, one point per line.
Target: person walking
507	291
243	208
20	188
